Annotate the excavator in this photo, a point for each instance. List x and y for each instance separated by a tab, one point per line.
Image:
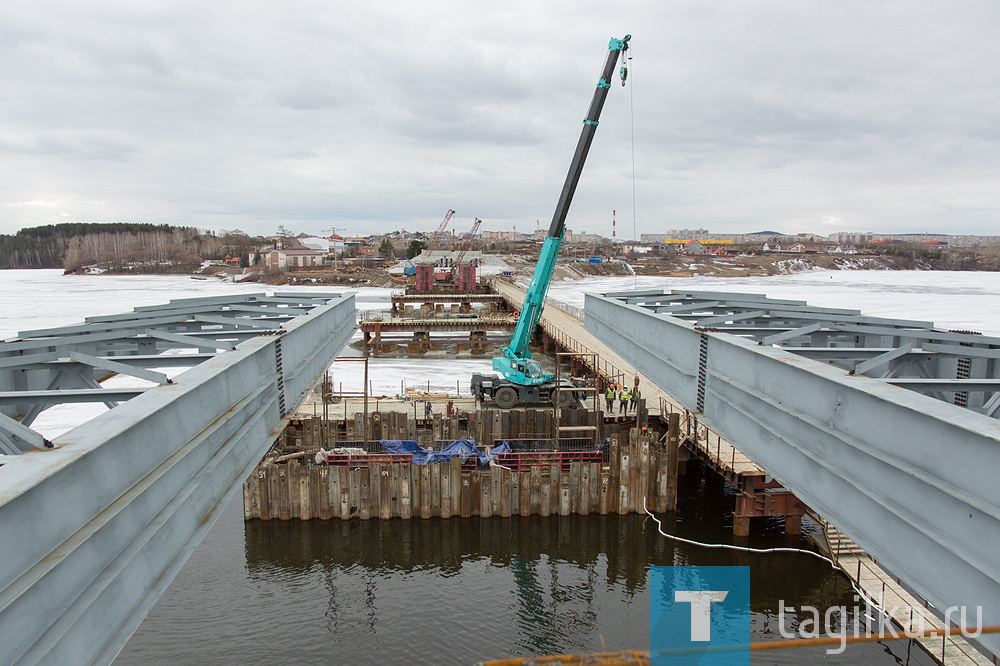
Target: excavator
521	378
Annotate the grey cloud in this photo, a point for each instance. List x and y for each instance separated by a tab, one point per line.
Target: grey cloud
747	115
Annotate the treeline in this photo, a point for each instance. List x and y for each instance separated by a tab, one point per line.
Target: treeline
118	246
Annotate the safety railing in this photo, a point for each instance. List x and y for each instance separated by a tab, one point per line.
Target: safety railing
565	307
526	445
700	435
523	462
366	460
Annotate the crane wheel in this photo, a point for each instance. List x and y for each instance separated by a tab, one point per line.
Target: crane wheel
505	397
566	399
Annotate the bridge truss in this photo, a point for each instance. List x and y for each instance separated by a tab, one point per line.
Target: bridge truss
885	427
95	523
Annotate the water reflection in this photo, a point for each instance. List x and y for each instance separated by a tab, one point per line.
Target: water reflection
524	586
462	590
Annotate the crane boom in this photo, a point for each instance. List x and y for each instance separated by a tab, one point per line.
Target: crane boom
436	236
515	365
467	239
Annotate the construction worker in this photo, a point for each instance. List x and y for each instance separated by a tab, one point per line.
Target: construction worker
609	398
623	398
634	397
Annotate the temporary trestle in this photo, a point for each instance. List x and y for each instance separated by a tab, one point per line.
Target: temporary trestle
95	526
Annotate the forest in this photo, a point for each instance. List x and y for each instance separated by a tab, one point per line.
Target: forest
119	247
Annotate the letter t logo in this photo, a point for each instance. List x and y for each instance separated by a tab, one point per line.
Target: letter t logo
701	610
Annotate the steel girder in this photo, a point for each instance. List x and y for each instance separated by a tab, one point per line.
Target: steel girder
911	478
45	367
93	530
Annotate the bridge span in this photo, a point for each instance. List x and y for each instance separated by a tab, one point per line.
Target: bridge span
95	523
885	427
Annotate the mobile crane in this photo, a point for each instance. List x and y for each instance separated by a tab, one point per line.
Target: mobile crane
523	379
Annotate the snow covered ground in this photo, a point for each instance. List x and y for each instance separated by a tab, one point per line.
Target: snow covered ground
46	298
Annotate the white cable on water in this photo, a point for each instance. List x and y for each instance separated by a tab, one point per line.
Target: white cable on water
746	549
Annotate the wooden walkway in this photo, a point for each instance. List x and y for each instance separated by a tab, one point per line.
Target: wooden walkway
908	613
718	453
566	328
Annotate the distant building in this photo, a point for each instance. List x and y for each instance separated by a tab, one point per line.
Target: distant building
695	249
285	260
589	239
500	236
331	244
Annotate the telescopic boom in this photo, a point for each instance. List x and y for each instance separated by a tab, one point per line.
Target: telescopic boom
515	365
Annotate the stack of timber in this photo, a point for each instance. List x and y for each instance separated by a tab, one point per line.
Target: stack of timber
638	471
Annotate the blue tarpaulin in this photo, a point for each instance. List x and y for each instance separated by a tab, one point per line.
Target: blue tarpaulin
463	448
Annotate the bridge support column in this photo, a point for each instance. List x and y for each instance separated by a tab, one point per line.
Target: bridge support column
477	338
793	524
741	526
673	455
420	343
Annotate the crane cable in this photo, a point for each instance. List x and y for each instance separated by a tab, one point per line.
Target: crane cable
631	111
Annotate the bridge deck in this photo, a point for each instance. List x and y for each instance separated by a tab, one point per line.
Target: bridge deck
446	298
385	323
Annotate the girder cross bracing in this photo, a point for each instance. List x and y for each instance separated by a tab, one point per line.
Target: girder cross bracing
95	523
45	367
886	427
959	367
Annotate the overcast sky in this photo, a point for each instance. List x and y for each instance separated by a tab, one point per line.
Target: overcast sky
789	115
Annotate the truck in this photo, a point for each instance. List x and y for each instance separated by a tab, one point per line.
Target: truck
521	379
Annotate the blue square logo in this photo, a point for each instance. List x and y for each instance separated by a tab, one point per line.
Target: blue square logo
692	608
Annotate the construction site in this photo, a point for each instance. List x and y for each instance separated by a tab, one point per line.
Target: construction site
581	453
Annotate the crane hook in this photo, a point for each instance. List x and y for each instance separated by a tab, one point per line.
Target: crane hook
623	72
